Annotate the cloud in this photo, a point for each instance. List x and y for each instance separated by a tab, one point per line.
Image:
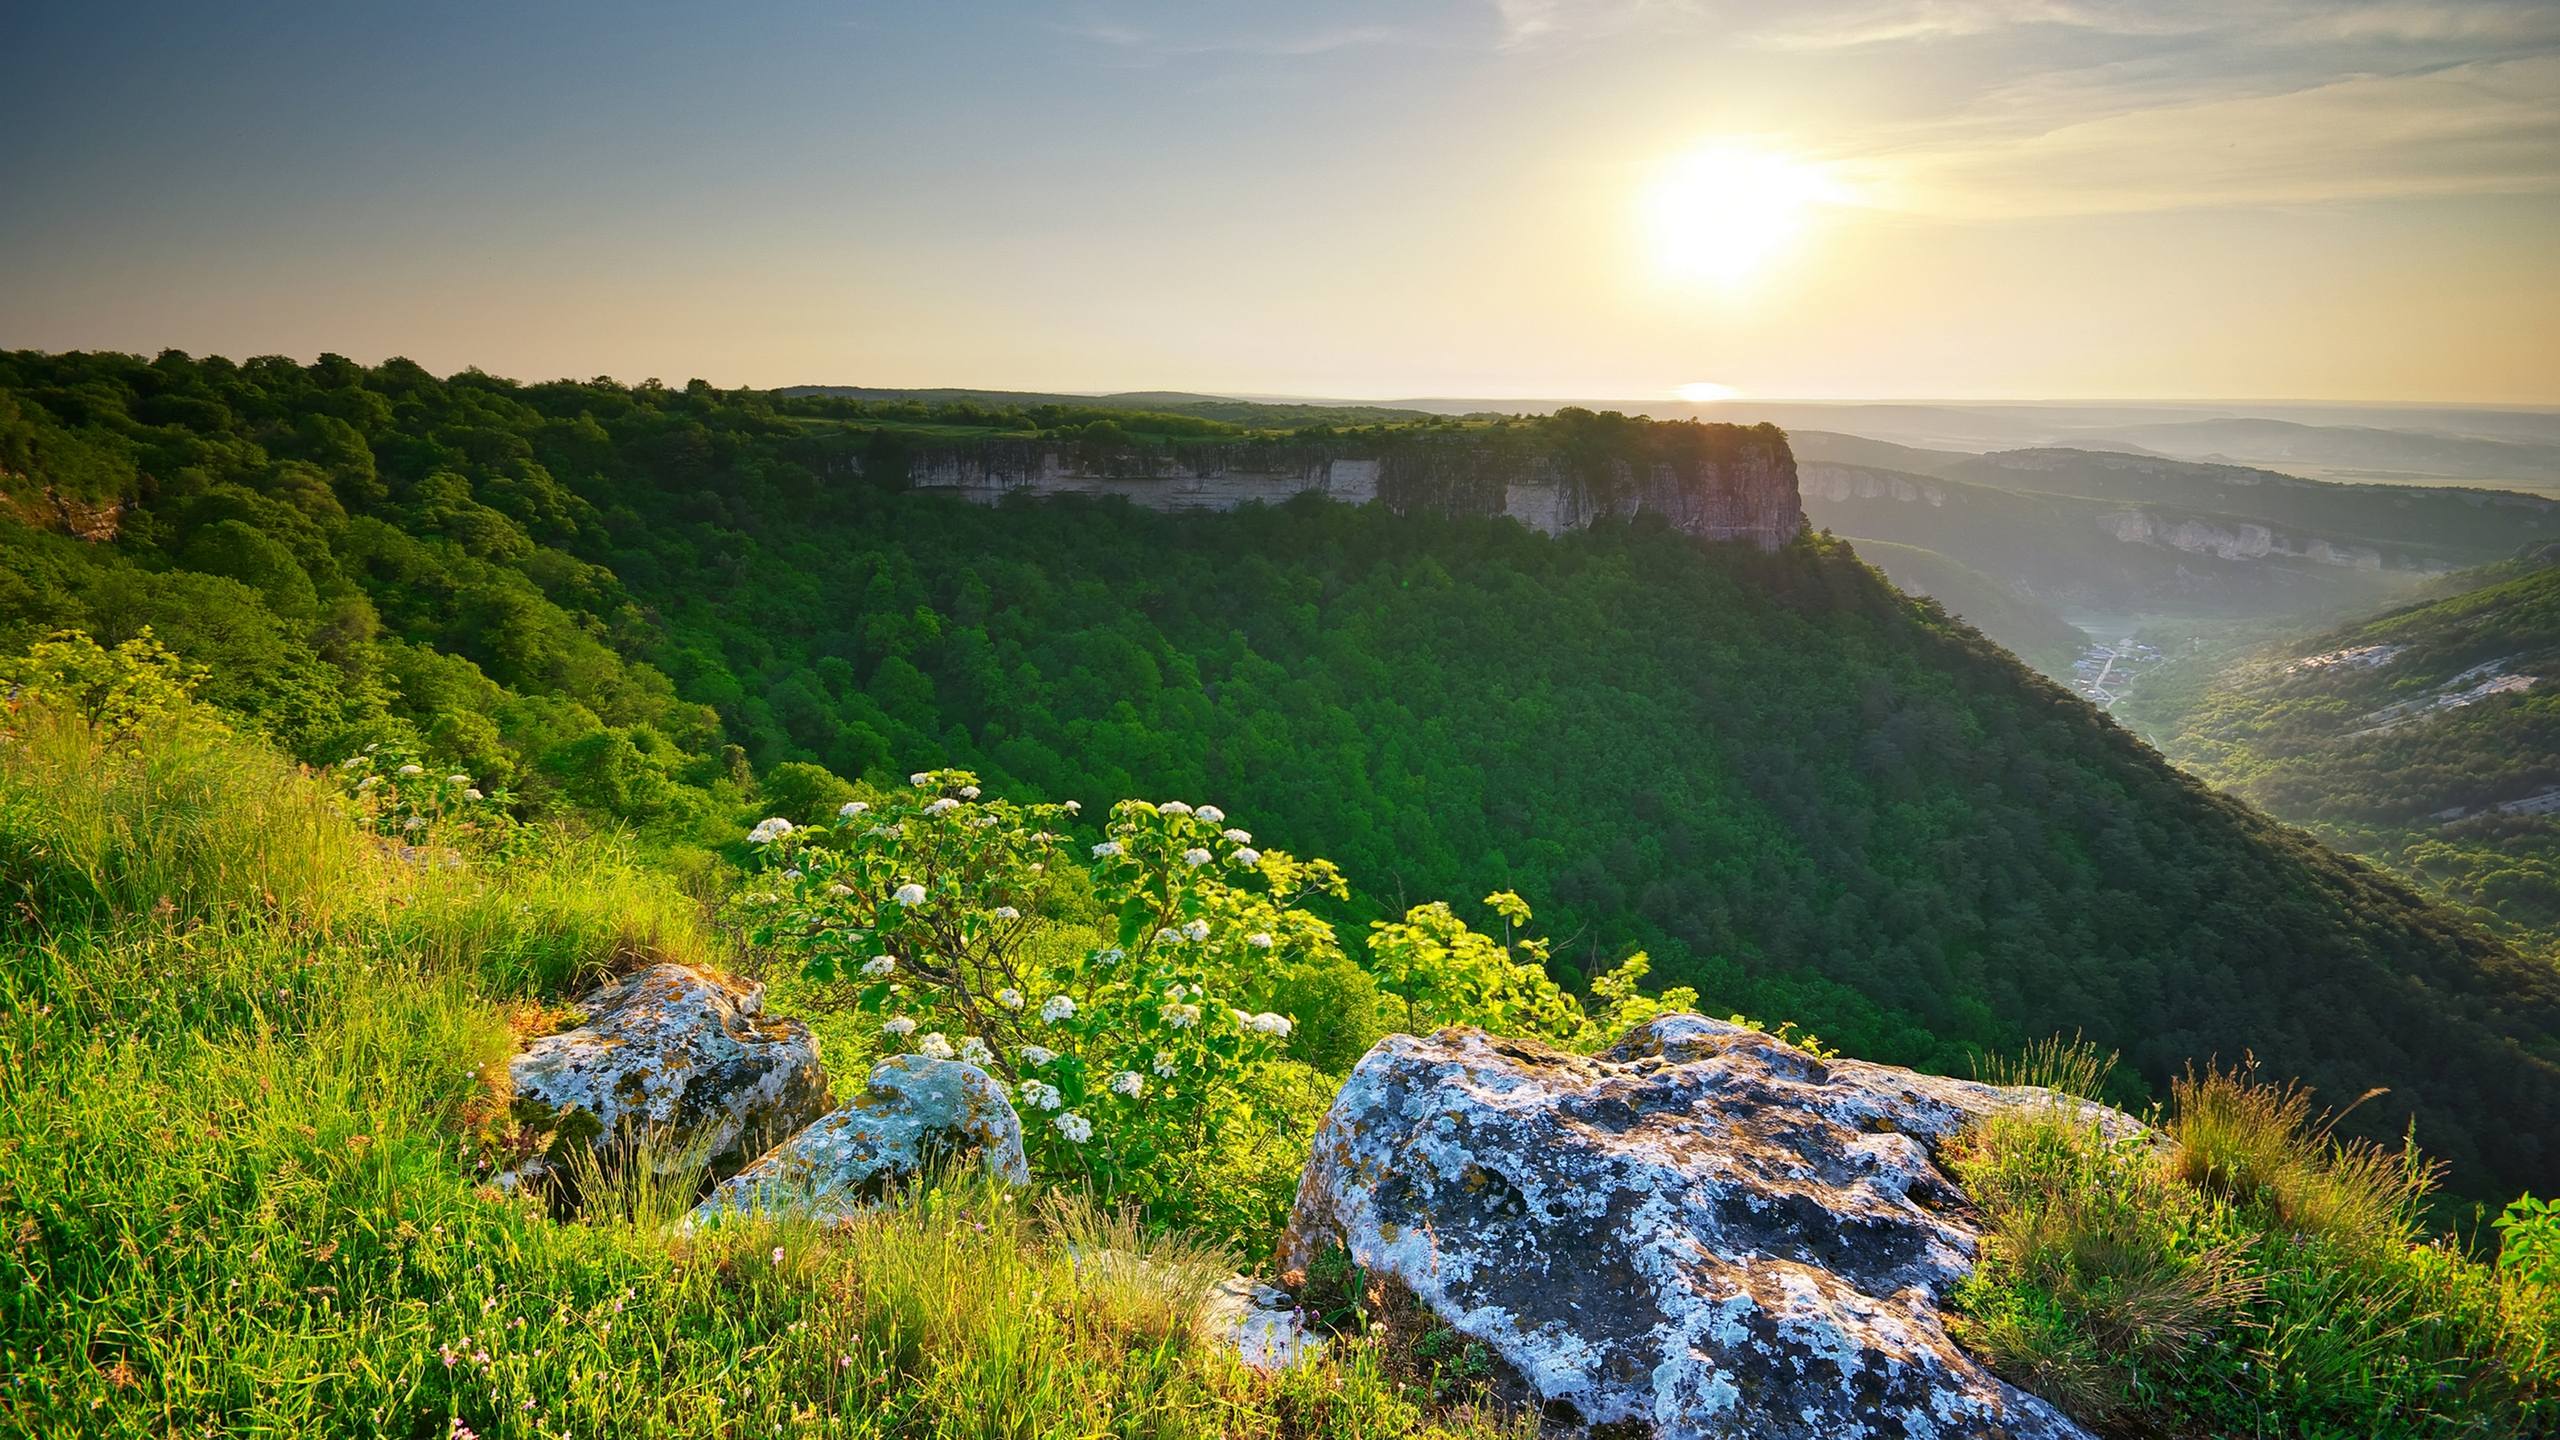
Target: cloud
1172	42
2483	128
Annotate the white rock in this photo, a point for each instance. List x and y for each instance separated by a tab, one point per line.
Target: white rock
1704	1231
674	1054
1262	1323
915	1111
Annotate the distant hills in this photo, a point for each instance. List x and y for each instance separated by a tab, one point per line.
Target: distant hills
2427	737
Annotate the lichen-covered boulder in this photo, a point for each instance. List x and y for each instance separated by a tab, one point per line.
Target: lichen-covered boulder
914	1113
1703	1231
1262	1324
674	1056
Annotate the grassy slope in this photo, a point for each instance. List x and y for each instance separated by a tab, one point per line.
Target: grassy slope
248	1067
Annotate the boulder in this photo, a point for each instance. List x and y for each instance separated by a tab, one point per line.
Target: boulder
676	1056
1704	1231
914	1113
1261	1324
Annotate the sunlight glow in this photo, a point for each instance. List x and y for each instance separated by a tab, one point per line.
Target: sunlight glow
1724	212
1706	392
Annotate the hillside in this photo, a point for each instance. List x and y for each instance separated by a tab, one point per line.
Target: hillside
1796	789
2427	738
2073	552
2023	627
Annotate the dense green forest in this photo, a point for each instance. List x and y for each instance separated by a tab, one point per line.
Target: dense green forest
2427	738
1798	790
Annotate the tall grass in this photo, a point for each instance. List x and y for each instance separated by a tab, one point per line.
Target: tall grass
2242	1272
187	823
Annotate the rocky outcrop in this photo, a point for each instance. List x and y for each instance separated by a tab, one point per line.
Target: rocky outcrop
915	1113
678	1058
1718	482
1704	1231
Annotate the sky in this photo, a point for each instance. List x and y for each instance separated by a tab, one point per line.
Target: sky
1953	199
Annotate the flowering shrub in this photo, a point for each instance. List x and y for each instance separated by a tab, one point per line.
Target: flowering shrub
398	795
1120	1057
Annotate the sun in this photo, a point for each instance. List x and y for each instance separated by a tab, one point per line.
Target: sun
1706	392
1723	213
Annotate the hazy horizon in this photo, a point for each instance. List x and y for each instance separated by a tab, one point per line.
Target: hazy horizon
1975	201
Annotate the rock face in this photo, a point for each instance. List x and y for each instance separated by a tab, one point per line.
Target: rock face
671	1052
1718	482
1703	1231
914	1112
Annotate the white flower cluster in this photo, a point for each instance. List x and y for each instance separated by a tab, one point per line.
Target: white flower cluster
1106	850
943	806
1268	1023
1164	1065
851	808
1009	998
1075	1127
936	1046
1036	1056
920	779
1195	857
880	967
1173	807
900	1026
408	770
769	830
1182	1016
1129	1083
1040	1095
1247	856
969	792
1259	939
1058	1009
1212	814
910	895
1007	912
975	1051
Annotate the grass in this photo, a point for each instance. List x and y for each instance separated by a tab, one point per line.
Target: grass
2241	1272
246	1138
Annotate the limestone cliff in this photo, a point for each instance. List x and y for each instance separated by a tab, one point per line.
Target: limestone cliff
1717	482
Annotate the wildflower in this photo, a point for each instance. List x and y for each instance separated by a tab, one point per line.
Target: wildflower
975	1051
470	794
457	779
851	808
1173	807
1212	814
1040	1095
351	762
1106	849
910	895
943	806
920	779
840	890
968	792
880	967
1075	1127
792	875
777	1254
769	830
1129	1083
1236	837
900	1026
1196	930
1195	856
1109	957
1268	1023
1009	998
1259	939
408	770
1073	807
368	782
1168	937
935	1046
1248	857
1182	1016
1058	1009
1007	912
1037	1055
1164	1065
